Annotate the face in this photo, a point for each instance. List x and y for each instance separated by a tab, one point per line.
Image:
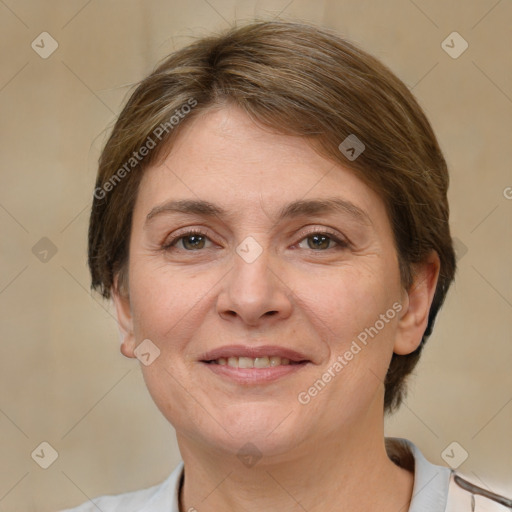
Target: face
266	279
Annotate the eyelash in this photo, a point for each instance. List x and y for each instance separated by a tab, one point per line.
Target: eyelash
341	244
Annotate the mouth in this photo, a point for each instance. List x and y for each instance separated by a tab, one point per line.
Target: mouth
253	362
252	365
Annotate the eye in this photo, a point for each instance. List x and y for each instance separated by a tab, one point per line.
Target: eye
322	241
195	240
190	241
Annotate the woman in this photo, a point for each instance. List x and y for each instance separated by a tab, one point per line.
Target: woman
270	219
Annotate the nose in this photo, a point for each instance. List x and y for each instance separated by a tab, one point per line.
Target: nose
254	292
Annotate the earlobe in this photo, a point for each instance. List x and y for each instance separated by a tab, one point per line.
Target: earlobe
124	320
417	302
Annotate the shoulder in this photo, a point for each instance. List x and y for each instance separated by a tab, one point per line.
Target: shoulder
439	488
465	494
127	502
162	497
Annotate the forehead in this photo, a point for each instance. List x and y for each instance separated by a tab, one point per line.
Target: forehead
225	158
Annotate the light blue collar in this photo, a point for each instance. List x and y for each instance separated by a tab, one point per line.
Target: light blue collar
431	482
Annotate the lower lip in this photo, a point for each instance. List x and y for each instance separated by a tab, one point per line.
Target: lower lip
254	375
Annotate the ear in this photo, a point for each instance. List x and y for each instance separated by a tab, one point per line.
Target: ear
124	319
416	304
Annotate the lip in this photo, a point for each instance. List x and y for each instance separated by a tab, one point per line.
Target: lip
254	376
254	351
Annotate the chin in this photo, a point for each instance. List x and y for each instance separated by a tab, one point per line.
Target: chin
257	446
256	434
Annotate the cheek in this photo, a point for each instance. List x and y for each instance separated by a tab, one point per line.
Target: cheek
356	318
166	310
349	299
171	393
164	302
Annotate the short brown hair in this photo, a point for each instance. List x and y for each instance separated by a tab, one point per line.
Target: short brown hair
300	80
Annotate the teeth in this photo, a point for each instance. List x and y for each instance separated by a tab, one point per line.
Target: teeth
261	362
245	362
275	361
253	362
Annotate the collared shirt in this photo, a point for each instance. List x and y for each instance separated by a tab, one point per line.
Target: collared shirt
436	489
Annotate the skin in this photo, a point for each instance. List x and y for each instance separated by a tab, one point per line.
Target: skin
328	454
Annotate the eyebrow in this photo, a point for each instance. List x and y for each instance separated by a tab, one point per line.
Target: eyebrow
294	209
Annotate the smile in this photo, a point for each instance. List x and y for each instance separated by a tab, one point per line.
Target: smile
253	362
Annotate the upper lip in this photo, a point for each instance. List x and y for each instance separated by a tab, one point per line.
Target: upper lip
253	351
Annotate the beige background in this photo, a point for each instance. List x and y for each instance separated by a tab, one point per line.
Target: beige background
63	379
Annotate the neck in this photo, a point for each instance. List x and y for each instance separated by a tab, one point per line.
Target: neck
349	472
